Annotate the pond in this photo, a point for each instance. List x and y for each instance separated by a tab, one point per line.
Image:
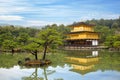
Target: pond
67	65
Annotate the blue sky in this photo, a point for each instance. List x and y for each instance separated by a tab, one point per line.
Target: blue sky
43	12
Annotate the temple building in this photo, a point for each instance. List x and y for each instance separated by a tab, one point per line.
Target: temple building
82	34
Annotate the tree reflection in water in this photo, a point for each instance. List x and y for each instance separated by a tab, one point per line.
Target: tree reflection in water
35	76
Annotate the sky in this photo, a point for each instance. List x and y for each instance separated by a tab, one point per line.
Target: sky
44	12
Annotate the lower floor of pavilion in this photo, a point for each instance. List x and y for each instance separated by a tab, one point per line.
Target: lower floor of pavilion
81	43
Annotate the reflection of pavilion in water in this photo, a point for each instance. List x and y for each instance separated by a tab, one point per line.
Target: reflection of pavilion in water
84	64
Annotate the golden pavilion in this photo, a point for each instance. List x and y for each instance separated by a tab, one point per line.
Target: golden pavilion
82	34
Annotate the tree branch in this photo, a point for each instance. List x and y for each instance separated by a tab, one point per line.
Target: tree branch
33	53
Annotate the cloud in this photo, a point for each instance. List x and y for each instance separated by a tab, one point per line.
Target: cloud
43	23
5	1
8	7
12	10
43	12
99	15
45	1
11	18
38	23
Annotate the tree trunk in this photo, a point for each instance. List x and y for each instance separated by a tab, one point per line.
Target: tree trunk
45	49
36	57
36	73
45	74
13	51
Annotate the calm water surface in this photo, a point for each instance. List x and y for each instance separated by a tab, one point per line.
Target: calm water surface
78	65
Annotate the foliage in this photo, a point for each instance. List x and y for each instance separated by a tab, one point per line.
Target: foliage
23	38
117	44
113	41
33	48
49	37
15	37
109	41
9	44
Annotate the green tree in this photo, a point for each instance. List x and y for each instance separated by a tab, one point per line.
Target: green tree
23	38
104	32
17	34
113	41
33	47
115	25
117	37
49	37
117	41
117	44
10	45
109	41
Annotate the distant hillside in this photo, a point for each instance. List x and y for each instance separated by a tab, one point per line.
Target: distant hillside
111	23
1	24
